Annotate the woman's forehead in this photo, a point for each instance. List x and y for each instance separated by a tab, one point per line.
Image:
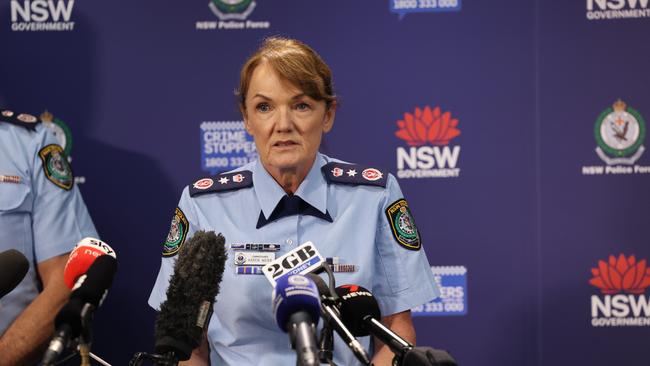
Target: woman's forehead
268	82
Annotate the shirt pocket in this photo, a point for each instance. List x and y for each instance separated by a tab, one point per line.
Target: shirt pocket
13	197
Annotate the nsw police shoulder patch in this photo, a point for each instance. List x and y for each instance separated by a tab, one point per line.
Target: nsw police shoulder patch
177	234
56	166
403	226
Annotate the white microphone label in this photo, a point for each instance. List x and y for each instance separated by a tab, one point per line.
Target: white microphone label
304	259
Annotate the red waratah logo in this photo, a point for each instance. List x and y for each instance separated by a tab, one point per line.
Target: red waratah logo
621	274
427	125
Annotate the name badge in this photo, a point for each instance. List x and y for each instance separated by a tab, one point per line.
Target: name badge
253	258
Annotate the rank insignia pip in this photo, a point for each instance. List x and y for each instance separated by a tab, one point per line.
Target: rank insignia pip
56	166
403	226
177	234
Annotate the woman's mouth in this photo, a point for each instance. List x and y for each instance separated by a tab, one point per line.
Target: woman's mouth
284	143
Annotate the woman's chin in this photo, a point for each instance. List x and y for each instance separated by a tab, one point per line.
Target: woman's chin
288	162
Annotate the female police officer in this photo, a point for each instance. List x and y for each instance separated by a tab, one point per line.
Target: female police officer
355	215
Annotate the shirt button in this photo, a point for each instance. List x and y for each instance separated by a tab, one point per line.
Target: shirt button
289	241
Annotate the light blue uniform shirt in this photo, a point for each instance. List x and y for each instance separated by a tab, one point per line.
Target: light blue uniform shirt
37	217
242	330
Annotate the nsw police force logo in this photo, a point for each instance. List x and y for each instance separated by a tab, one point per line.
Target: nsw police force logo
56	167
177	234
232	9
60	130
233	15
619	132
403	226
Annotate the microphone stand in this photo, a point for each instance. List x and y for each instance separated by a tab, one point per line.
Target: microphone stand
85	338
326	352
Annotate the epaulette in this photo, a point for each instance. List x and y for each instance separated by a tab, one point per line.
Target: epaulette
222	182
23	119
354	174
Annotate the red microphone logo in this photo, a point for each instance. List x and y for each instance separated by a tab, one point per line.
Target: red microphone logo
82	257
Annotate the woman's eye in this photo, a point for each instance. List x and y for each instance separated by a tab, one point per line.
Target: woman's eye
263	107
302	106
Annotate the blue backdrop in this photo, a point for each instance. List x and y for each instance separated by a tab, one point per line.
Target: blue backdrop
499	118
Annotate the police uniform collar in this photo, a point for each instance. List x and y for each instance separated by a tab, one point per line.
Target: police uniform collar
312	191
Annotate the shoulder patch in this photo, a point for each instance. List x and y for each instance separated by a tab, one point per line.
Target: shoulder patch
19	119
402	225
177	234
354	174
222	182
56	166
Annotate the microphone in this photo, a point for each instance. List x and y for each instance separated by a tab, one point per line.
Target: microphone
13	268
185	314
89	292
331	314
82	256
360	312
296	307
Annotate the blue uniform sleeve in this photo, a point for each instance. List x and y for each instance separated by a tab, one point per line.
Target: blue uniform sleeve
182	227
404	279
59	217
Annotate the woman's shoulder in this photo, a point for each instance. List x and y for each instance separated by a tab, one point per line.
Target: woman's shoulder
337	171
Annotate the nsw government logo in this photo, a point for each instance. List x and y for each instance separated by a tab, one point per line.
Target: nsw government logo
225	146
619	133
41	15
428	133
617	9
452	282
622	302
233	15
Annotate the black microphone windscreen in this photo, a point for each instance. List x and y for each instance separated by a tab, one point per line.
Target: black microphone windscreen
13	268
357	303
192	289
98	280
